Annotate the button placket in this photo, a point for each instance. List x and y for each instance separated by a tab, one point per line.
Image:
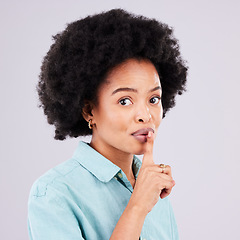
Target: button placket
120	175
120	178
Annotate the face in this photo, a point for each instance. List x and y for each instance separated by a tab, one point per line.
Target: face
129	106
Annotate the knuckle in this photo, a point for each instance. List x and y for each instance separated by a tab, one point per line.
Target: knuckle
169	168
170	184
170	178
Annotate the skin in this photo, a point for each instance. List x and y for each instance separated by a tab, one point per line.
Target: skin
129	100
113	123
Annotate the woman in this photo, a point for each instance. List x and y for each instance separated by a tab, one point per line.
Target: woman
113	76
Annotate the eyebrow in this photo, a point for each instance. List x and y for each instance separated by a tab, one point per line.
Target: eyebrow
126	89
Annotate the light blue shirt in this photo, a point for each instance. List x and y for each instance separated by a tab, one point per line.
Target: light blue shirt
84	197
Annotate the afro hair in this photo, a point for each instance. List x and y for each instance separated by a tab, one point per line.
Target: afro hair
82	55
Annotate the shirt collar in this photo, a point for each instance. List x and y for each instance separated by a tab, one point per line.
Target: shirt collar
98	165
136	166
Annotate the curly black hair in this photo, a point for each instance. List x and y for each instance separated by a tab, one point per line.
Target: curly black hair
82	55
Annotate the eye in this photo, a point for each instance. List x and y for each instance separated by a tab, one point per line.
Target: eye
125	101
155	100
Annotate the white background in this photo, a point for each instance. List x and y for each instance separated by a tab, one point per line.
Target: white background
199	138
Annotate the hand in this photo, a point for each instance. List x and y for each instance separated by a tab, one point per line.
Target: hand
151	181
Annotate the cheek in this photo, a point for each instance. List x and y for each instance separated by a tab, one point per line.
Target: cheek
158	117
119	120
110	118
158	121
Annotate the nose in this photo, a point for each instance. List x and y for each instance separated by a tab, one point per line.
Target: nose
143	115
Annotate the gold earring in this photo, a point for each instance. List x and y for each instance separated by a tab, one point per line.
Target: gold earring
90	123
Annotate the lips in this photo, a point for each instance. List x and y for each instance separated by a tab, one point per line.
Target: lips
141	134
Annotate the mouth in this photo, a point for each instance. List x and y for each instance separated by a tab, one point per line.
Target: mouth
141	134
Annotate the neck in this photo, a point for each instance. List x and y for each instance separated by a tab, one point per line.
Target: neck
119	158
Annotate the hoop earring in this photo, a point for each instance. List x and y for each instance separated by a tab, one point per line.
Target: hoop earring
90	124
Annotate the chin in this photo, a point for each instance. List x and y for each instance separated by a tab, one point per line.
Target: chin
139	150
139	153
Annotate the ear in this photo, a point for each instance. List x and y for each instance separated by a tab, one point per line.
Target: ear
87	111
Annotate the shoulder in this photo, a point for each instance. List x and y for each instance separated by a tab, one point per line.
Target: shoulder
55	178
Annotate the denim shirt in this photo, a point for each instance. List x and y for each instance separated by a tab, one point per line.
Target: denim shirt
84	197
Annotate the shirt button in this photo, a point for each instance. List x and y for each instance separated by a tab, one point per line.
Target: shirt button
120	175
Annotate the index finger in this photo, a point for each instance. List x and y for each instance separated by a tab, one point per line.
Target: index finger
148	155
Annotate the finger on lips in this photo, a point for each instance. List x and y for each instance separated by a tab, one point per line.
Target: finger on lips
148	155
149	143
163	170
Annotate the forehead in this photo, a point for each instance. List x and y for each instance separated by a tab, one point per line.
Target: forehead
134	73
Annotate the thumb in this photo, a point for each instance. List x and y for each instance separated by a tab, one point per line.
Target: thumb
148	155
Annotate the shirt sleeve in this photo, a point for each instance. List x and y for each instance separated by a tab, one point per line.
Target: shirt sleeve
50	217
174	228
